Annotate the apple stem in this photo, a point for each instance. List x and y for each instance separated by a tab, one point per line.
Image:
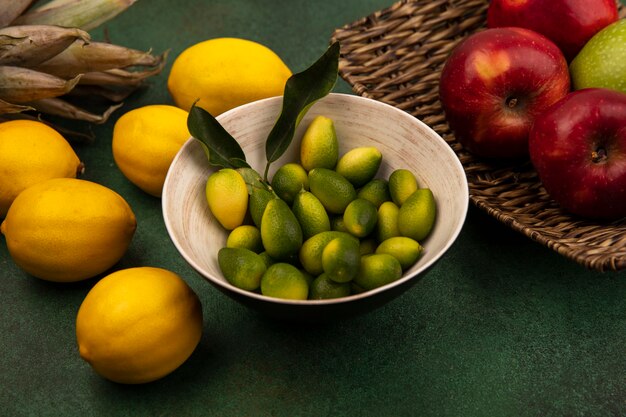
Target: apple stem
598	155
511	102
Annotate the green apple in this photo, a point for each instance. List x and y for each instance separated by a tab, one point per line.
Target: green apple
602	61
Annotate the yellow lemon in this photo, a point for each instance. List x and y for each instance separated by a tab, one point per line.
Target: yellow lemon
145	141
227	195
65	229
32	152
137	325
224	73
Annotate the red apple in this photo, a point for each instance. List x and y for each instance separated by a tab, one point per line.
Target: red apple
568	23
578	147
495	83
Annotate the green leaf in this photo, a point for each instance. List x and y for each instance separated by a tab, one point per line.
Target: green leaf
221	148
623	2
252	179
302	90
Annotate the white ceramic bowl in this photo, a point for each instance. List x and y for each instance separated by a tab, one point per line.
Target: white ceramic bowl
404	141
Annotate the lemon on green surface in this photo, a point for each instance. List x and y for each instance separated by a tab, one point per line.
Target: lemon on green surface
406	250
333	190
225	73
311	251
360	165
402	183
145	142
340	259
32	152
376	192
280	231
387	221
137	325
310	214
360	217
241	267
283	280
319	147
245	236
377	270
66	229
289	180
324	288
227	196
416	216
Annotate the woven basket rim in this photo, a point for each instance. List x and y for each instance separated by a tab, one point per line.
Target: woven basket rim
395	55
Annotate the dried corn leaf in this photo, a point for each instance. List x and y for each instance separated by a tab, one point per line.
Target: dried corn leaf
80	58
119	77
21	85
60	107
6	107
30	45
84	14
12	9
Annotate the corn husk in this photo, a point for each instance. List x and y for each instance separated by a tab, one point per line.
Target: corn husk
119	77
11	9
59	107
28	46
81	58
22	85
50	66
6	107
83	14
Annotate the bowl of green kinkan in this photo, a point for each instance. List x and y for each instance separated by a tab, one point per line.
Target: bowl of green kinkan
313	206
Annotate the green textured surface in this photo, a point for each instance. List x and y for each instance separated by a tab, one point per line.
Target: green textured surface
500	327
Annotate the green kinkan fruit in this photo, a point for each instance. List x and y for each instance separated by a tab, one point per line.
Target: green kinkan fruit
333	190
241	267
280	231
417	215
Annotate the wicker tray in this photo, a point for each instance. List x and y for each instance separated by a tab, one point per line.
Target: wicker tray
396	55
